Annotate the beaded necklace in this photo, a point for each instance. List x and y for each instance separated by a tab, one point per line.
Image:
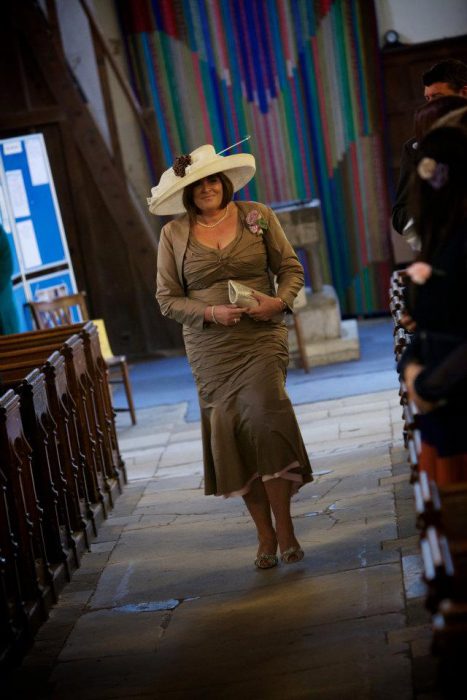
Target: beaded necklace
217	222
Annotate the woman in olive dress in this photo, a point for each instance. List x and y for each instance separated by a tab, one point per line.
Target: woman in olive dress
252	445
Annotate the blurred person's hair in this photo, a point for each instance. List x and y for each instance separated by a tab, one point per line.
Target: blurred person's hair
429	112
450	71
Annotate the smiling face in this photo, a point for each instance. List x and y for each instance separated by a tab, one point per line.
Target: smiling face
203	195
208	194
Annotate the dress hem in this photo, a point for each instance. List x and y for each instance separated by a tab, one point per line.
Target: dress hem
286	473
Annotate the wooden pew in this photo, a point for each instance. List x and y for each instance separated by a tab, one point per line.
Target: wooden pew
97	370
72	349
441	516
401	340
427	503
61	470
438	567
25	570
98	373
51	487
450	642
55	421
443	506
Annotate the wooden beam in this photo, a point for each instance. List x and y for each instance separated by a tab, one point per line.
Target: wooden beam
87	136
129	220
108	103
124	84
13	121
145	116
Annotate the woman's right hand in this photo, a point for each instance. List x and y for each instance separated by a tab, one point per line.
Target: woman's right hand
224	314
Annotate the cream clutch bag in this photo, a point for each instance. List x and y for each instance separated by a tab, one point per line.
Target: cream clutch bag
241	295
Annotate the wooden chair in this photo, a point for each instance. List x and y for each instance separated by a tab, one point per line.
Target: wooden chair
72	308
116	362
60	311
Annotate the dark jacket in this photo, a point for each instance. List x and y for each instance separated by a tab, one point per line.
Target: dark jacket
440	310
400	215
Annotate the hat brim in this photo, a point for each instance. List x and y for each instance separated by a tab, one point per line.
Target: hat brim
239	168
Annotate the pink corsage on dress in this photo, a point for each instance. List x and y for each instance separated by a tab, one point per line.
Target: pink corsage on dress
256	223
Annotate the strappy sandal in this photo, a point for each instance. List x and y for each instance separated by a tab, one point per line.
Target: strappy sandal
292	555
266	561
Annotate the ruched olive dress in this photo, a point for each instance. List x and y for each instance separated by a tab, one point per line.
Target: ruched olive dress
249	428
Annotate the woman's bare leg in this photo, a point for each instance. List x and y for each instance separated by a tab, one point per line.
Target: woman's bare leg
258	505
279	493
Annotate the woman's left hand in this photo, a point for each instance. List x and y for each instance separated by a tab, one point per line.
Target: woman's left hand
267	308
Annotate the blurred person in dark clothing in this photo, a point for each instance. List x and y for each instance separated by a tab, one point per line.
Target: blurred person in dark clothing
445	78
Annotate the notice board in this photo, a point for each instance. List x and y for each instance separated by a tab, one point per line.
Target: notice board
30	215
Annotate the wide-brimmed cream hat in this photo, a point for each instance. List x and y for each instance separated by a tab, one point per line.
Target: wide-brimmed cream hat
166	197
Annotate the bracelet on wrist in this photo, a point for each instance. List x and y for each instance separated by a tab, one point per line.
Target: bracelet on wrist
212	315
284	305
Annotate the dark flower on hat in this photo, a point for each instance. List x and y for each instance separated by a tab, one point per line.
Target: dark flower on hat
180	164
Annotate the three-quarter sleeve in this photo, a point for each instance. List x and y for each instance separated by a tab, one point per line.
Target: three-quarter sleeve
170	292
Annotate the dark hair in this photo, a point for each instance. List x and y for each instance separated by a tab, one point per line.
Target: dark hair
437	211
450	71
429	112
189	204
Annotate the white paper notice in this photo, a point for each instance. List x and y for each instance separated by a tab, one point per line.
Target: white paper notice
18	196
4	220
12	147
28	244
36	162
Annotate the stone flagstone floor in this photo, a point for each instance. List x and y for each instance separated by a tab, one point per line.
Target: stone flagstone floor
169	605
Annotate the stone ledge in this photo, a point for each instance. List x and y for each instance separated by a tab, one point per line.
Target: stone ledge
330	351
